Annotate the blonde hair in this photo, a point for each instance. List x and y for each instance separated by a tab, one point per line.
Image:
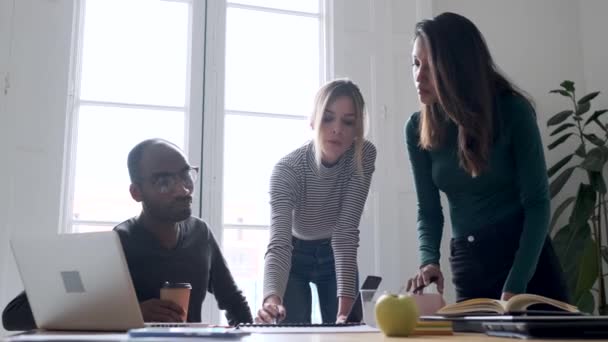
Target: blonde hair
324	98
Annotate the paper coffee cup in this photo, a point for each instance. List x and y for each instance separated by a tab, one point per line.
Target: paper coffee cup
178	293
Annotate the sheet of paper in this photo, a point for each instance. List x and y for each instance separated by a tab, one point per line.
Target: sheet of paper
311	330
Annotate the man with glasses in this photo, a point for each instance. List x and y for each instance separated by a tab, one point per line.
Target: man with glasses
165	243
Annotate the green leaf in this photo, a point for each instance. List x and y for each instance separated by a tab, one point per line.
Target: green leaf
558	141
588	266
580	151
598	183
558	183
559	117
583	108
562	127
583	207
600	124
586	303
569	244
568	85
559	165
588	97
595	160
594	139
595	115
560	209
561	92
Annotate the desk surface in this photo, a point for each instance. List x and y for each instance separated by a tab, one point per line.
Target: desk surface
373	337
345	337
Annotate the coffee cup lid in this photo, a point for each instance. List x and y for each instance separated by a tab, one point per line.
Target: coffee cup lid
170	285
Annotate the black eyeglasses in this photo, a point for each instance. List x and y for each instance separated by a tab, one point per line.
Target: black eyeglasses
167	181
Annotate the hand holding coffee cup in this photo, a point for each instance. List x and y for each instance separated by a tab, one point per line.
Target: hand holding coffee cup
178	293
158	310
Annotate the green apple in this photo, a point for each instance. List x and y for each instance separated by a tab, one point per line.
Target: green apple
396	315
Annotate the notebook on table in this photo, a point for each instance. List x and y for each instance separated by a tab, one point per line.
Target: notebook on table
79	282
580	327
475	323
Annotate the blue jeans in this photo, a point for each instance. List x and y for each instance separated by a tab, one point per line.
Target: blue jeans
311	262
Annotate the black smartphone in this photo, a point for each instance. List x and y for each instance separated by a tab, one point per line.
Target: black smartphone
356	311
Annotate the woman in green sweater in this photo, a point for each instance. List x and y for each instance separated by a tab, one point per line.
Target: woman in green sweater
476	139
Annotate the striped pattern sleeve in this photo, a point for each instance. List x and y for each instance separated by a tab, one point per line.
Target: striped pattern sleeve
284	188
345	238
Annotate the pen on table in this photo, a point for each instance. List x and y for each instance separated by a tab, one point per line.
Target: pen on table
275	319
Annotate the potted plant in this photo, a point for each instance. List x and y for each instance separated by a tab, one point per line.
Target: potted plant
580	243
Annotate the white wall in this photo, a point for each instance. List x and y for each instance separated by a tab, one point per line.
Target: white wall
537	43
5	11
33	123
595	48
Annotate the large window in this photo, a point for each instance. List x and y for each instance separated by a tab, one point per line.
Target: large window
274	65
135	77
131	77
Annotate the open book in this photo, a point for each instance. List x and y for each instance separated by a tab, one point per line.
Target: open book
517	304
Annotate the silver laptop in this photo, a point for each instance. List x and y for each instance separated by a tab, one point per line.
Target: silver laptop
78	282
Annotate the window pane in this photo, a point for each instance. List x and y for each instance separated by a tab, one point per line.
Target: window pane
84	228
252	146
244	251
272	62
105	137
135	51
311	6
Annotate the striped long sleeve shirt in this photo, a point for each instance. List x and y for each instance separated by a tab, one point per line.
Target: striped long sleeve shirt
314	202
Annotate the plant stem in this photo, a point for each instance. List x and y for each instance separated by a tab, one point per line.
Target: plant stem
578	123
598	206
604	210
597	227
600	262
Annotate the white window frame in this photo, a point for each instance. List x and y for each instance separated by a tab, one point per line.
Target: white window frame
204	133
325	73
193	107
216	44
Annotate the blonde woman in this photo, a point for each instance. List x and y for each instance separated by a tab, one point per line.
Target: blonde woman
317	194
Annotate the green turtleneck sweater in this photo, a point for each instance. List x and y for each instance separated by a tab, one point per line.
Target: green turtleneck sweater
516	181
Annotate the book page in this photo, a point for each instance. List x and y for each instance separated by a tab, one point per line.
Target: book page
521	302
474	305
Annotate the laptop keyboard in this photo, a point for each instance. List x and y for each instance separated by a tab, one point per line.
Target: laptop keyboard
297	325
176	325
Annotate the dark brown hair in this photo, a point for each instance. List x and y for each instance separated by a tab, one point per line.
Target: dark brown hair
467	83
